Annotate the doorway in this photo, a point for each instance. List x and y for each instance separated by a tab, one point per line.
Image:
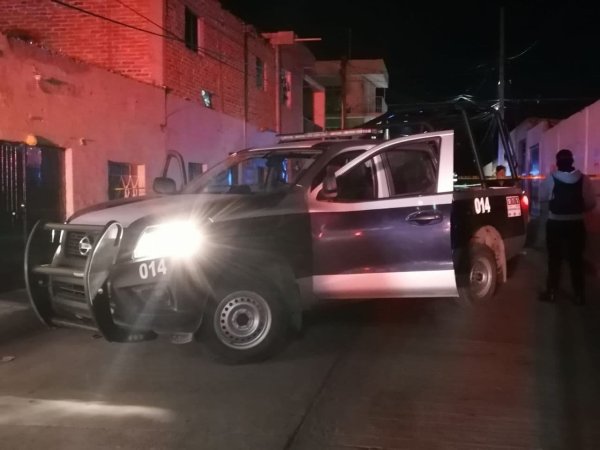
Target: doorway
31	188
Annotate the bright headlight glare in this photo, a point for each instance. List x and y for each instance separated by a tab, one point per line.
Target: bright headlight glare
174	239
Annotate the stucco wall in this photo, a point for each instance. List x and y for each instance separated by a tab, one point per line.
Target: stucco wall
98	116
570	134
95	115
580	133
206	136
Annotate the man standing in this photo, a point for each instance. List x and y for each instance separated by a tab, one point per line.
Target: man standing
569	194
500	172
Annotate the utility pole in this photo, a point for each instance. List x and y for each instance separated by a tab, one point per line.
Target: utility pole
245	129
343	77
501	75
344	81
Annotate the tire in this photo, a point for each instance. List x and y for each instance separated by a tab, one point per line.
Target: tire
478	275
244	322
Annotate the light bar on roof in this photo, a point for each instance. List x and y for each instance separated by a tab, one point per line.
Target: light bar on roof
327	134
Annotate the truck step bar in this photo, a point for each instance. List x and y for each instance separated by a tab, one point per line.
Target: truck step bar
47	269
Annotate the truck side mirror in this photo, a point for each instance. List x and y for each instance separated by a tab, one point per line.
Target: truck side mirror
164	185
329	184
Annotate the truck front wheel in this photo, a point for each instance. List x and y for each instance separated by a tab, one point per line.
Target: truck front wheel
244	322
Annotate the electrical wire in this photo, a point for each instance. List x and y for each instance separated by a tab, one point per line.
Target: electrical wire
219	20
166	30
518	55
146	18
210	53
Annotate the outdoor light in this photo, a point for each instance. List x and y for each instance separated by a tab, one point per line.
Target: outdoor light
174	239
206	98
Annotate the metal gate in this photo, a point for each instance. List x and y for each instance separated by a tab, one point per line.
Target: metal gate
30	189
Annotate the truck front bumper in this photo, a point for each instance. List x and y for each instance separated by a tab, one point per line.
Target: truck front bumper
98	293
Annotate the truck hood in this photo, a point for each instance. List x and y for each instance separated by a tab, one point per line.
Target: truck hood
216	207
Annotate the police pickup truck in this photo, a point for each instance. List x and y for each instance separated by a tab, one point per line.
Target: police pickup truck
237	255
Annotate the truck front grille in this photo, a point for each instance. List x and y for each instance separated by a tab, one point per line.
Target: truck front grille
72	243
68	291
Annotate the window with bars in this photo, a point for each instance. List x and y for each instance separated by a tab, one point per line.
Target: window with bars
125	180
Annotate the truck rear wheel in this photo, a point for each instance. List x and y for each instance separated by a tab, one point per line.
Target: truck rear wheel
244	322
478	274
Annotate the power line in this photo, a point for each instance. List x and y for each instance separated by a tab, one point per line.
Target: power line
108	19
518	55
147	18
219	20
210	53
166	30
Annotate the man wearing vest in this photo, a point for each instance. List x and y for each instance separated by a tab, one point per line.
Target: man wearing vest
569	194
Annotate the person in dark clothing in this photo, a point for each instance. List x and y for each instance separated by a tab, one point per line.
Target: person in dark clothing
500	172
569	194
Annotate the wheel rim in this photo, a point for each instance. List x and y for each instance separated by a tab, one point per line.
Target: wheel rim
242	320
481	277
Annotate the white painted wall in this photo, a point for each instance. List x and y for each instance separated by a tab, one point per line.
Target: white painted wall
203	135
580	133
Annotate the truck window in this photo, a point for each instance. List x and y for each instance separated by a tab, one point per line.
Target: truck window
359	183
411	172
336	162
254	173
410	169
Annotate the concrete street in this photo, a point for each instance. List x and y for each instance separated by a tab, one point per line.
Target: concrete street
414	374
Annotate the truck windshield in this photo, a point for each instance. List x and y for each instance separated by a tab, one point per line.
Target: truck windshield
254	172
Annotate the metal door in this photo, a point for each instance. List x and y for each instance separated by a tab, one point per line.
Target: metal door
30	189
389	246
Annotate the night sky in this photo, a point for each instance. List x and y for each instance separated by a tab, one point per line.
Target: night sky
438	51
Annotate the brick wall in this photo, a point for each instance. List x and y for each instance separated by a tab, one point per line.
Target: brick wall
89	38
218	66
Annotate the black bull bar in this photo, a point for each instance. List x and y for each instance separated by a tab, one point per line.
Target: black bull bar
45	263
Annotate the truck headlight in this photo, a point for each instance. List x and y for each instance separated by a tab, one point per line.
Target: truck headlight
173	239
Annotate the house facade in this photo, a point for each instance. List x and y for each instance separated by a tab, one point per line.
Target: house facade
354	90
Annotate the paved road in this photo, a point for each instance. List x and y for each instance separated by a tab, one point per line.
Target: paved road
418	374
